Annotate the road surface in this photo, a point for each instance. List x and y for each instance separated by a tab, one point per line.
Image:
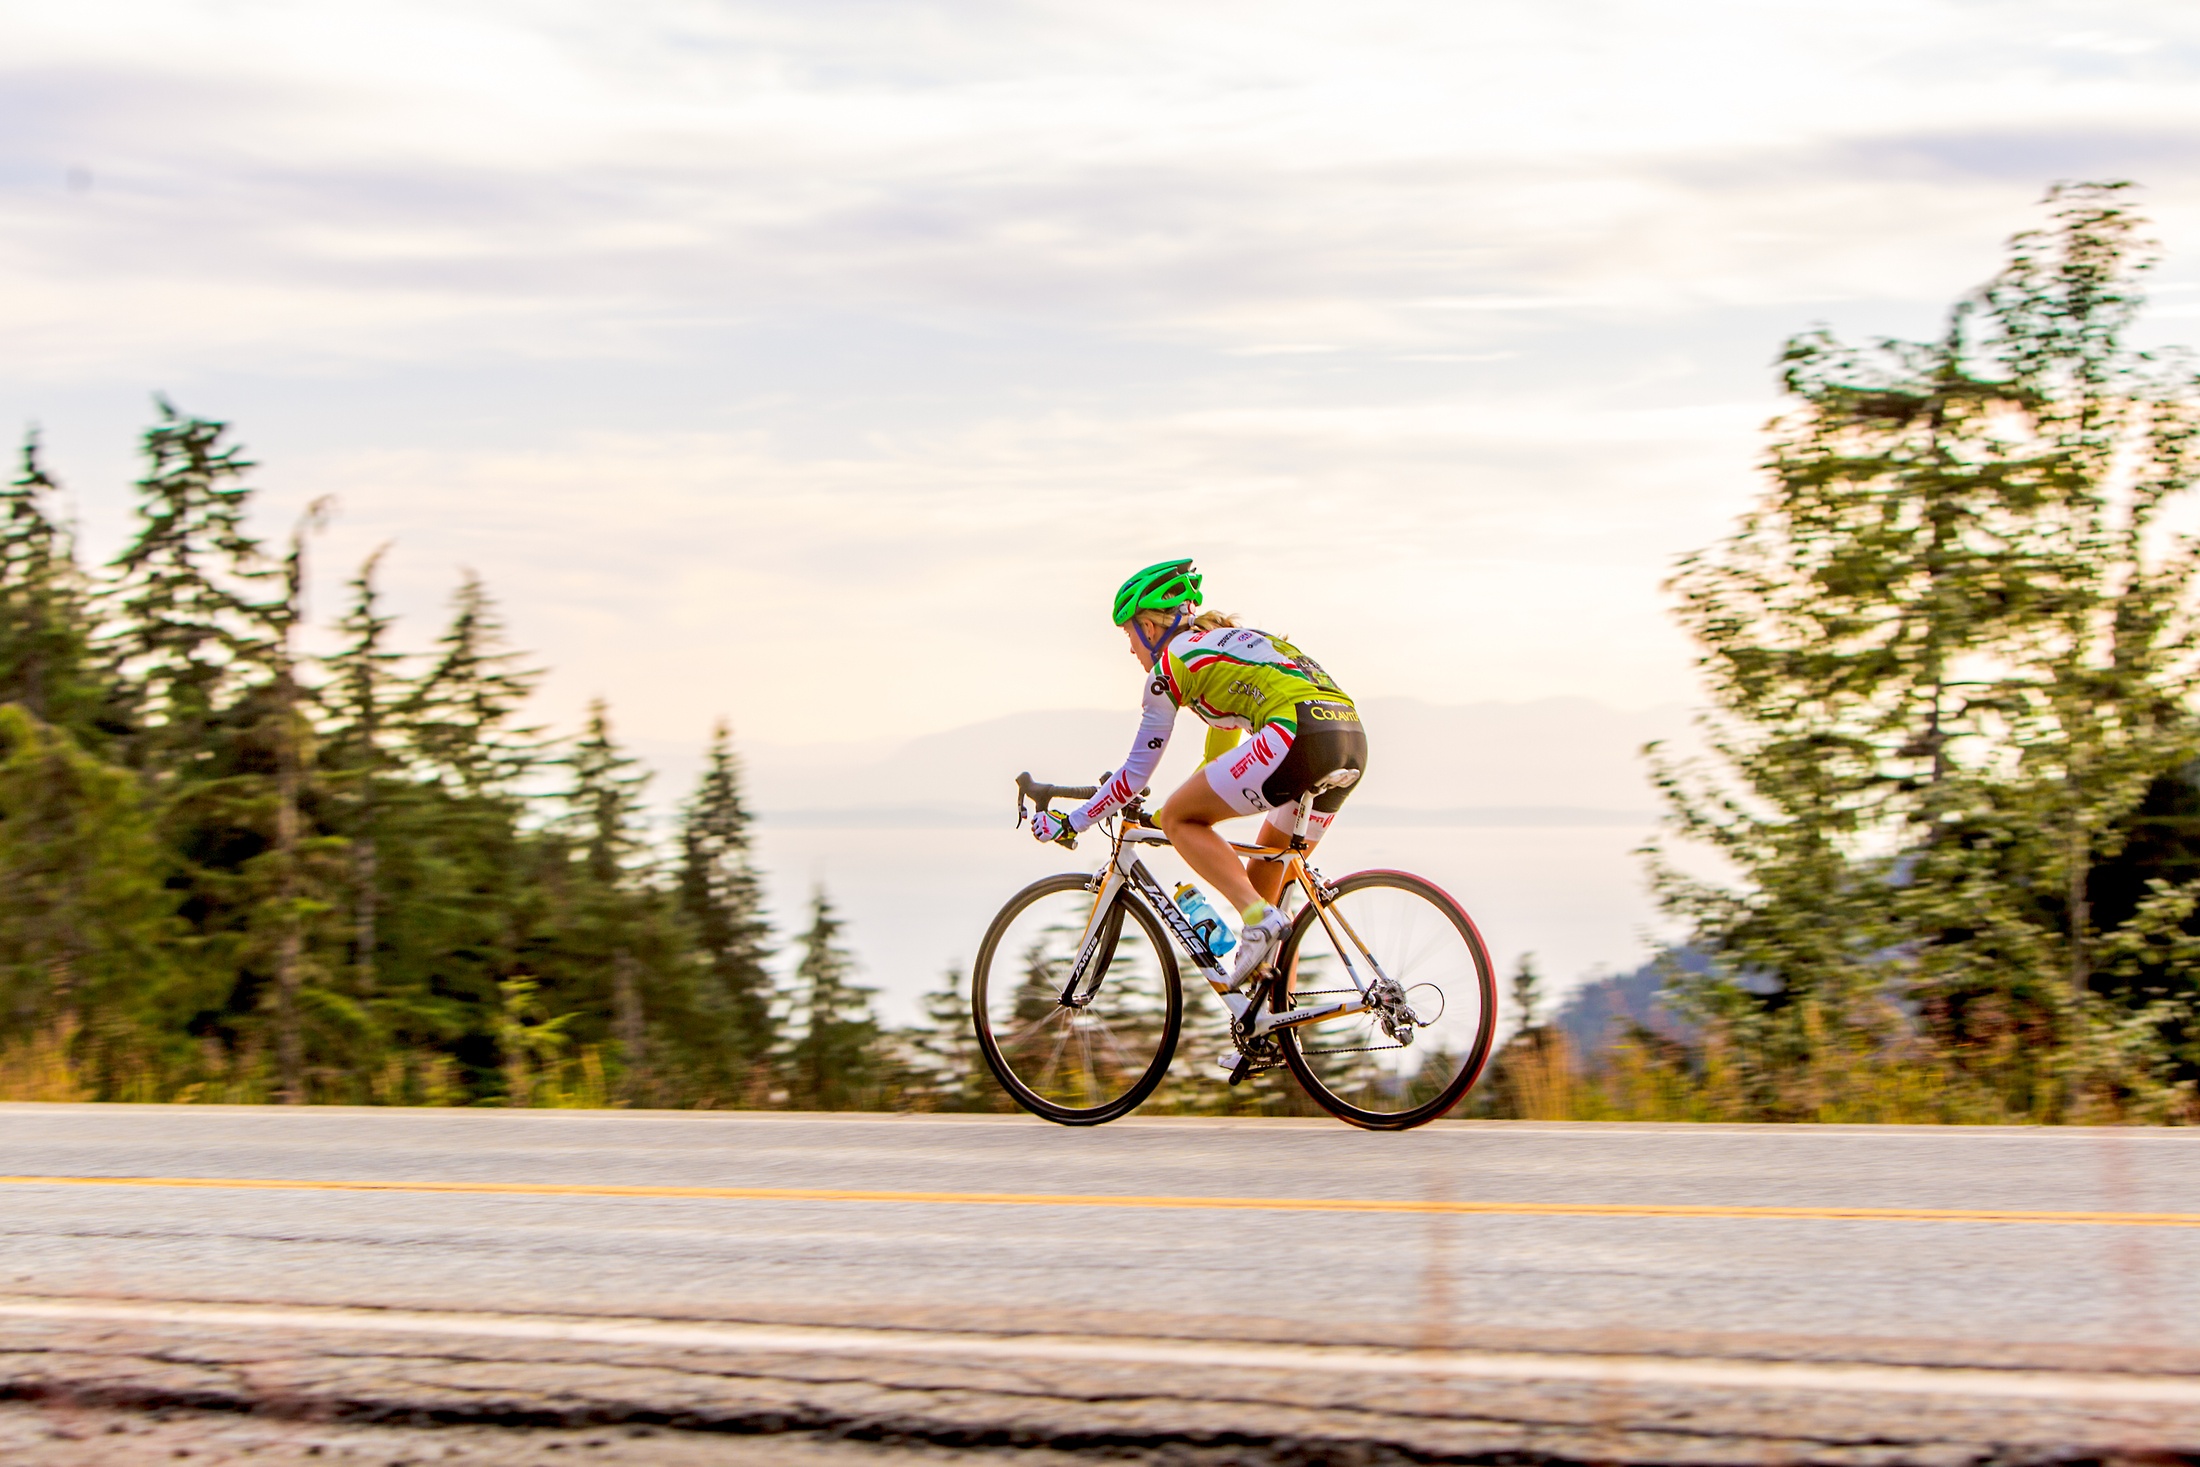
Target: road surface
1646	1293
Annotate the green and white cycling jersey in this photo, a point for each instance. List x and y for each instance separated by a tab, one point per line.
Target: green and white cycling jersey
1236	679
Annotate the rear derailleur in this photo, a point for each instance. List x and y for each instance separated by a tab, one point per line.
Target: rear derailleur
1387	1002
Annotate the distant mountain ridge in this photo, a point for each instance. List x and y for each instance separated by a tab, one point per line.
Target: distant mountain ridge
1553	761
1602	1011
1501	817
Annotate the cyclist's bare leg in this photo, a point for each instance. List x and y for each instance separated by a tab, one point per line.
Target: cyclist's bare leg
1267	876
1189	819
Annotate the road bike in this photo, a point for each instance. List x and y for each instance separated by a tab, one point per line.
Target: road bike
1381	1001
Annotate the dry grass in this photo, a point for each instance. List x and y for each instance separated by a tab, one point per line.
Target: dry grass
39	1066
1843	1080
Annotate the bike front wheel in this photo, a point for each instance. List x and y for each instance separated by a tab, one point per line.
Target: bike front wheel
1084	1054
1399	926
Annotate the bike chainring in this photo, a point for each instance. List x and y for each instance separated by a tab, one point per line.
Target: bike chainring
1264	1050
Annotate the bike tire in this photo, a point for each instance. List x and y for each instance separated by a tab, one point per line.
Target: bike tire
996	992
1431	911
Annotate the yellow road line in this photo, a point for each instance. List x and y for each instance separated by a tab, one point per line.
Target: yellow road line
1103	1199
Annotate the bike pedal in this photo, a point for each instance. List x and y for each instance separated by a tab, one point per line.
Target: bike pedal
1239	1065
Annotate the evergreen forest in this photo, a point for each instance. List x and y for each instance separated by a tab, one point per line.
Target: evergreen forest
235	872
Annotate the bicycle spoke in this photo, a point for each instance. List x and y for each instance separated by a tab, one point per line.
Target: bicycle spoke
1054	1059
1122	1060
1409	932
1084	1059
1092	1059
1026	1034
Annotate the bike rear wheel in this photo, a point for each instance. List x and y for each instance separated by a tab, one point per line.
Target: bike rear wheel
1084	1057
1418	936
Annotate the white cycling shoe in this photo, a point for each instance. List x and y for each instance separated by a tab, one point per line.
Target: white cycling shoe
1256	946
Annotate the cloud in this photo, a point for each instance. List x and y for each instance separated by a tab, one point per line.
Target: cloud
2030	155
737	342
610	182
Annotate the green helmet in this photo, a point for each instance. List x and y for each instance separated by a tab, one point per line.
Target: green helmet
1163	586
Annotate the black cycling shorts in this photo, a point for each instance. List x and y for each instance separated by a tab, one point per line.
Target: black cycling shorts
1330	738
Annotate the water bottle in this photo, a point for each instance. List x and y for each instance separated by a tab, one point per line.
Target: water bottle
1205	920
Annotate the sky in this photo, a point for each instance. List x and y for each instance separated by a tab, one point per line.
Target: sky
825	364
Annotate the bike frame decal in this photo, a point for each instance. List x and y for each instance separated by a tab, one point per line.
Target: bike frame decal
1125	869
1095	923
1271	1021
1142	882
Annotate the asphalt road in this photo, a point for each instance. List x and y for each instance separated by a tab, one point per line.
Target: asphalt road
2070	1253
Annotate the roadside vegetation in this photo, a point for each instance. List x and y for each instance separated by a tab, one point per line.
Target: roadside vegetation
1953	779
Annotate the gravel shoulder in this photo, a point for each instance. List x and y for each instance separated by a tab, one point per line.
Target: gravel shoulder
58	1433
707	1386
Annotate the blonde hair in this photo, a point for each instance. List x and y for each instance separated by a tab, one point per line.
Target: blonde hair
1156	622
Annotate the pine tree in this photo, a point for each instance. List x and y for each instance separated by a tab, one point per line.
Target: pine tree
603	805
193	643
835	1063
188	626
2102	706
45	619
722	899
292	896
447	891
87	933
604	819
1952	653
362	695
947	1072
458	887
1527	991
607	942
459	718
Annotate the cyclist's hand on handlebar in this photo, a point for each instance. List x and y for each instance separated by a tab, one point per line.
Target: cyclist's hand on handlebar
1048	826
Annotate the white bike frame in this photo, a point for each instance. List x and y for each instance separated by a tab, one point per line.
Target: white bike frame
1125	869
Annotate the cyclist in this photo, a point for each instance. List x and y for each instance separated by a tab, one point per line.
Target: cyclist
1306	740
